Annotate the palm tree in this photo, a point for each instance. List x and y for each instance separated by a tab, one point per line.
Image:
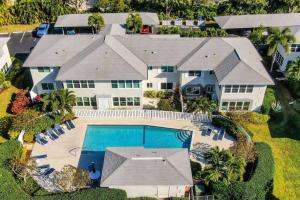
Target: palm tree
277	36
134	22
293	72
61	100
67	100
96	21
202	105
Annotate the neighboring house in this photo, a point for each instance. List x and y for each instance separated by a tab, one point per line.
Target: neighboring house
114	71
5	60
79	22
238	23
158	173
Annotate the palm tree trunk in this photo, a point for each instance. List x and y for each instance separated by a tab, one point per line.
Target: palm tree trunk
273	61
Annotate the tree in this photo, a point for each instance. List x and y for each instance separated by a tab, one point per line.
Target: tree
277	36
61	100
223	166
134	22
28	11
202	105
77	4
70	179
293	71
96	21
164	104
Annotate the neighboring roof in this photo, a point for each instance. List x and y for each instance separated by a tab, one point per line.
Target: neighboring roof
85	57
143	166
254	21
3	41
81	20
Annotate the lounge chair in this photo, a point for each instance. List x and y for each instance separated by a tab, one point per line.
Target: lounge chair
39	156
40	139
43	166
48	172
58	129
70	124
221	134
208	132
50	133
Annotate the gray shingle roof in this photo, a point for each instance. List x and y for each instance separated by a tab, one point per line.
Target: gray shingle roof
253	21
143	166
81	20
85	57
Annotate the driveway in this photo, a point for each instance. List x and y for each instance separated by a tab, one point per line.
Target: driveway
20	44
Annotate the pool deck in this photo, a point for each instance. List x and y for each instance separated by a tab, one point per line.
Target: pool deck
67	149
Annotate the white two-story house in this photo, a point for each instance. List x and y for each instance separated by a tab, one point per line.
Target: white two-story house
108	71
5	60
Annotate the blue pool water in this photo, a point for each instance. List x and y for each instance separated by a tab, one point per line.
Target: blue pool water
99	137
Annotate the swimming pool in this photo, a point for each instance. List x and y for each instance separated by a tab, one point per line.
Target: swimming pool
99	137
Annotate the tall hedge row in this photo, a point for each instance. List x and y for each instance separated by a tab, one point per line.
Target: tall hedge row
260	185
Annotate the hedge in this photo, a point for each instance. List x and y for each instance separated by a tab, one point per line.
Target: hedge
230	127
260	184
268	100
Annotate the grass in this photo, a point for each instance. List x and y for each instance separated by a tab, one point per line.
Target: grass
285	143
17	27
5	97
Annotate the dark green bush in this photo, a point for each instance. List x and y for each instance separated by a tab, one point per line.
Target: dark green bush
230	127
16	69
5	123
268	100
260	184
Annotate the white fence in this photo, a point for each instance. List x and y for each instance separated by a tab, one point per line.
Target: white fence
149	114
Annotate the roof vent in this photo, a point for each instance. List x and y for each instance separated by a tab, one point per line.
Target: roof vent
206	56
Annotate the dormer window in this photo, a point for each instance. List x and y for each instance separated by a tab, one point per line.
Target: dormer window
194	73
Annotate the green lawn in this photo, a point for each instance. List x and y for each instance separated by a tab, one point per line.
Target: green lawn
5	97
285	144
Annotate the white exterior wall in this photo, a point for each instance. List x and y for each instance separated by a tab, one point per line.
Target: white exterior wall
160	191
287	57
4	57
155	76
43	77
205	79
256	97
104	88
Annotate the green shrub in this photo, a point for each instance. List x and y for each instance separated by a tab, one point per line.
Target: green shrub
13	134
196	169
2	140
260	184
230	127
157	94
15	70
268	100
6	84
165	105
5	123
150	94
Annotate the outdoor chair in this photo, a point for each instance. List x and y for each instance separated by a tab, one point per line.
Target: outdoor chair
70	124
58	129
50	133
40	139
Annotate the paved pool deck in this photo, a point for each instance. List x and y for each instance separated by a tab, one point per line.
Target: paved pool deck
67	149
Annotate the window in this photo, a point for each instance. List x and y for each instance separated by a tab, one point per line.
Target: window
295	48
211	72
79	101
116	101
125	84
235	89
235	106
249	88
210	88
5	68
126	101
167	69
242	88
86	101
149	85
47	86
150	67
91	84
80	84
279	58
84	84
193	90
238	88
227	88
166	86
43	69
76	84
194	73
